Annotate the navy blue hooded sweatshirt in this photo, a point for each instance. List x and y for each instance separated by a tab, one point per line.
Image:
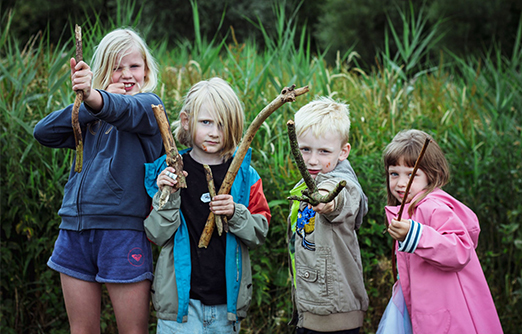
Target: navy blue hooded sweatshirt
108	193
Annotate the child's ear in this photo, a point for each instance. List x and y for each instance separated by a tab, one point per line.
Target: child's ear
184	120
345	151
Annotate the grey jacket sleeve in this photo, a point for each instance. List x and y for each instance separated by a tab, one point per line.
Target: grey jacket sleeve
161	225
250	228
346	203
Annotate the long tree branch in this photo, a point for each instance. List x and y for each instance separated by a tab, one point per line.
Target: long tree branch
288	94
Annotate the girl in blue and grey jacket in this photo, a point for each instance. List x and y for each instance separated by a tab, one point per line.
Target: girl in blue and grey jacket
101	239
198	290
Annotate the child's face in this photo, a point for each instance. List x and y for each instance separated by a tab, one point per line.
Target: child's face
131	72
321	154
398	179
208	136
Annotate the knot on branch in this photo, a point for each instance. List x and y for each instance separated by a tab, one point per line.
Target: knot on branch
315	197
288	94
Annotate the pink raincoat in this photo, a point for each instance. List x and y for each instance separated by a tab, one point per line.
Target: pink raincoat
443	283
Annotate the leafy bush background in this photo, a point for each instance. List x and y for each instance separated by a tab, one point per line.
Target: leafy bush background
471	104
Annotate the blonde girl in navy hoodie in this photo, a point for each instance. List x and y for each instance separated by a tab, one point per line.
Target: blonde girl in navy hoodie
101	239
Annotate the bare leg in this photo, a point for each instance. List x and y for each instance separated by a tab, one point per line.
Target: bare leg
83	304
131	306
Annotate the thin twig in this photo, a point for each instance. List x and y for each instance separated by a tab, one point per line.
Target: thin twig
412	176
410	181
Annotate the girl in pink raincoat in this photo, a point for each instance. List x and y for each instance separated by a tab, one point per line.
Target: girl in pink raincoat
440	276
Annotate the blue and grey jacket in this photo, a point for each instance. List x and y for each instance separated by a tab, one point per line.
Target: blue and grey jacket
108	193
167	228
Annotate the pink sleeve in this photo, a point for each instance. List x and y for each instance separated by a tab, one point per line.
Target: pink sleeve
445	242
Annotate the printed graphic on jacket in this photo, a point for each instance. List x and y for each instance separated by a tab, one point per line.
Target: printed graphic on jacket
306	226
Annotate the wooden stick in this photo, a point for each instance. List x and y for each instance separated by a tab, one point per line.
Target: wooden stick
288	94
174	160
76	107
312	194
410	181
212	192
294	147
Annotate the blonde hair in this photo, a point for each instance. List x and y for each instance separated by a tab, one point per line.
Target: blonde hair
407	145
112	48
324	115
224	106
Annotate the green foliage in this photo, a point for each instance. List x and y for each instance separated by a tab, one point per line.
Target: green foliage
471	105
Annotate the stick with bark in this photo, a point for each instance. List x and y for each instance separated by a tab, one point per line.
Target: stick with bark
288	94
410	181
173	158
76	107
311	194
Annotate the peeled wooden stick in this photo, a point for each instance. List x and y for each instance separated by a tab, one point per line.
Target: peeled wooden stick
76	107
212	191
288	94
312	194
173	158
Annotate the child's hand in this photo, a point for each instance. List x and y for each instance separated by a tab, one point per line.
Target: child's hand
116	88
168	178
323	208
399	229
223	205
81	78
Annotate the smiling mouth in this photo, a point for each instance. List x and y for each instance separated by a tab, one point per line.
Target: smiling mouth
128	86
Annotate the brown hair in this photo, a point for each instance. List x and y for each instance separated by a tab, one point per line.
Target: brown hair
407	145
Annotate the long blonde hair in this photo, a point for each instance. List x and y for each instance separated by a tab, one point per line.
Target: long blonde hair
112	48
407	145
224	106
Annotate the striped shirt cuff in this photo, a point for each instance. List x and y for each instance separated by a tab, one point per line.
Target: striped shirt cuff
410	243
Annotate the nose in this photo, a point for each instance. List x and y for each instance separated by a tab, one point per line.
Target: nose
313	159
214	130
403	181
126	73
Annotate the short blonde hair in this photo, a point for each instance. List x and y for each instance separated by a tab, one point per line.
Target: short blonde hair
224	106
112	48
324	115
407	145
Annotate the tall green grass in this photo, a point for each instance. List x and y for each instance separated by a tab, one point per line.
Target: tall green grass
471	106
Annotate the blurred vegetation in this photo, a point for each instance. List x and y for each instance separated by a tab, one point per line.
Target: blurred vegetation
470	102
472	26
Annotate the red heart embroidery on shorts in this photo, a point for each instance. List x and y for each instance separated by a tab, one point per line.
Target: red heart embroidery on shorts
136	257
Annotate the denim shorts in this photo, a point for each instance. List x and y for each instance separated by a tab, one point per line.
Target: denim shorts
202	319
103	256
